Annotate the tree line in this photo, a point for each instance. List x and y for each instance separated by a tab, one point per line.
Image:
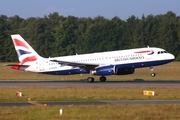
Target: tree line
56	35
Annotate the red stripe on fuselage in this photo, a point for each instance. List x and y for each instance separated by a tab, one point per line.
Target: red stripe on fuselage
144	51
19	43
33	58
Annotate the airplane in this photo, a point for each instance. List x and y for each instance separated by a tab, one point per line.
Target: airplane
120	62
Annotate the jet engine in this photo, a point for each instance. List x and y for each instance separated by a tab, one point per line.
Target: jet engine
111	69
105	70
124	71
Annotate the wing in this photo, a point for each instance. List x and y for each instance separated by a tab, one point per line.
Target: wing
86	66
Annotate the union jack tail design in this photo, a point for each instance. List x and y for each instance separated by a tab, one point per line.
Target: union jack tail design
24	51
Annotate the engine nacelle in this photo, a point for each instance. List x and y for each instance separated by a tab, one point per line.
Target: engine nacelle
124	71
105	70
111	69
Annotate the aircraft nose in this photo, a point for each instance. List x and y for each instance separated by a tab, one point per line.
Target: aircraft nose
171	56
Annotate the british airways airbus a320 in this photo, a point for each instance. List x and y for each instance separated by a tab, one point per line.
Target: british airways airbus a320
121	62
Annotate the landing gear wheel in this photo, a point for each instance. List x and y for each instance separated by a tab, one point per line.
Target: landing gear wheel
102	79
152	71
90	79
153	74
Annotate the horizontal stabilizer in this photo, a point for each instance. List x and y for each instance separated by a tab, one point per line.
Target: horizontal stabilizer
18	66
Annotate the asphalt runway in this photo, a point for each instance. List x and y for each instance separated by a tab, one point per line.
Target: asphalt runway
104	102
84	83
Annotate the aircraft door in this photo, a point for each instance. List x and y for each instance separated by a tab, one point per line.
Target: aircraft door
41	65
105	59
149	55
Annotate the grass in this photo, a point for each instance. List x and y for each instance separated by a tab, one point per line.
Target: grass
83	93
92	112
165	72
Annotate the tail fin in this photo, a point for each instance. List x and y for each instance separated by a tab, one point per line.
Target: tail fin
24	51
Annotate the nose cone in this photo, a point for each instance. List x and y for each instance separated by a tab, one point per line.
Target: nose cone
171	57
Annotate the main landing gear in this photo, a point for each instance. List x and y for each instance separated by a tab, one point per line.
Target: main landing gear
152	71
102	79
90	79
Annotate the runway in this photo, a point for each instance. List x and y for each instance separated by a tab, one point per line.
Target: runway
84	83
104	102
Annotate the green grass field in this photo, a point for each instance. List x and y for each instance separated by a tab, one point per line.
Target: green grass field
85	93
90	112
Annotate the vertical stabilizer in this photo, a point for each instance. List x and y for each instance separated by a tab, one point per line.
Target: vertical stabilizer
24	51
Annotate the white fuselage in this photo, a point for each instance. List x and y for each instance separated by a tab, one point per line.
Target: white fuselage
136	58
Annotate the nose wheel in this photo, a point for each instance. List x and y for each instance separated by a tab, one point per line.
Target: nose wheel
153	74
152	71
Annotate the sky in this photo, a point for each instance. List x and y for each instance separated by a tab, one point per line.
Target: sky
88	8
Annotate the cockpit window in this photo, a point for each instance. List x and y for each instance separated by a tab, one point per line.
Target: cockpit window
161	52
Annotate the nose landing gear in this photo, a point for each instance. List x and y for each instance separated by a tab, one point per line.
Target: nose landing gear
152	71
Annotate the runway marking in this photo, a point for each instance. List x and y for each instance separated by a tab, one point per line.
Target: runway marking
36	103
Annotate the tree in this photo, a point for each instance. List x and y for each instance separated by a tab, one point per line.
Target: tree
55	35
65	37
